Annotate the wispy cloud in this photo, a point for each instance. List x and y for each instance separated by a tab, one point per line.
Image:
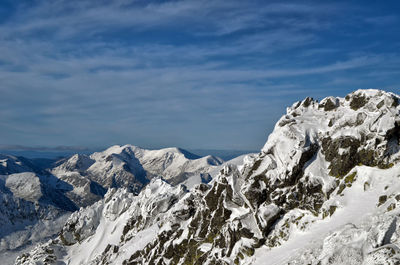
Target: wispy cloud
71	18
156	73
382	20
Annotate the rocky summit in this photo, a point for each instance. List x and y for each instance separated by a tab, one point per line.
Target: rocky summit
324	189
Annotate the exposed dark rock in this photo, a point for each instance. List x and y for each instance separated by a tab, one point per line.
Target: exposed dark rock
307	102
382	199
341	164
380	104
297	171
286	121
358	101
328	105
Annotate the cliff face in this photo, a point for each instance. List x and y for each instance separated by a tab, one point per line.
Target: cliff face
323	190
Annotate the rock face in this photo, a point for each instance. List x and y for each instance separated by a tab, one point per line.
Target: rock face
329	169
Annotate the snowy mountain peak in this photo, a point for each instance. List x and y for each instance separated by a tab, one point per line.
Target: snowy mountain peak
364	122
77	162
128	166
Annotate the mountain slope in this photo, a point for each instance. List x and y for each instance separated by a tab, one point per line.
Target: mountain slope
323	190
31	211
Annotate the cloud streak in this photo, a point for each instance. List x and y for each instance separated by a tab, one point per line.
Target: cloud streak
186	73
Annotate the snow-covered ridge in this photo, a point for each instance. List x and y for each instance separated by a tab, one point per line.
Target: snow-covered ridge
130	167
323	190
167	162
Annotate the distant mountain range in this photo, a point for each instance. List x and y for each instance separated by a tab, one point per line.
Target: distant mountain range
58	153
33	190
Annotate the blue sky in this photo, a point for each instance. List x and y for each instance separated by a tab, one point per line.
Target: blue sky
194	74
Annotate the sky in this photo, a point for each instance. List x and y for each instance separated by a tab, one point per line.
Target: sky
194	74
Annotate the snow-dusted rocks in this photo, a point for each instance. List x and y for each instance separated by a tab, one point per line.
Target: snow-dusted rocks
323	190
294	183
114	225
364	229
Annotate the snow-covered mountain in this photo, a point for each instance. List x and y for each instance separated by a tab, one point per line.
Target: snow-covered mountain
323	190
36	196
130	167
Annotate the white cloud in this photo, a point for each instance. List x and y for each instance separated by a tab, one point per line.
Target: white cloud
63	76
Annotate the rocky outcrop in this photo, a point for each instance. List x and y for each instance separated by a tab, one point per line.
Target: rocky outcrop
282	188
